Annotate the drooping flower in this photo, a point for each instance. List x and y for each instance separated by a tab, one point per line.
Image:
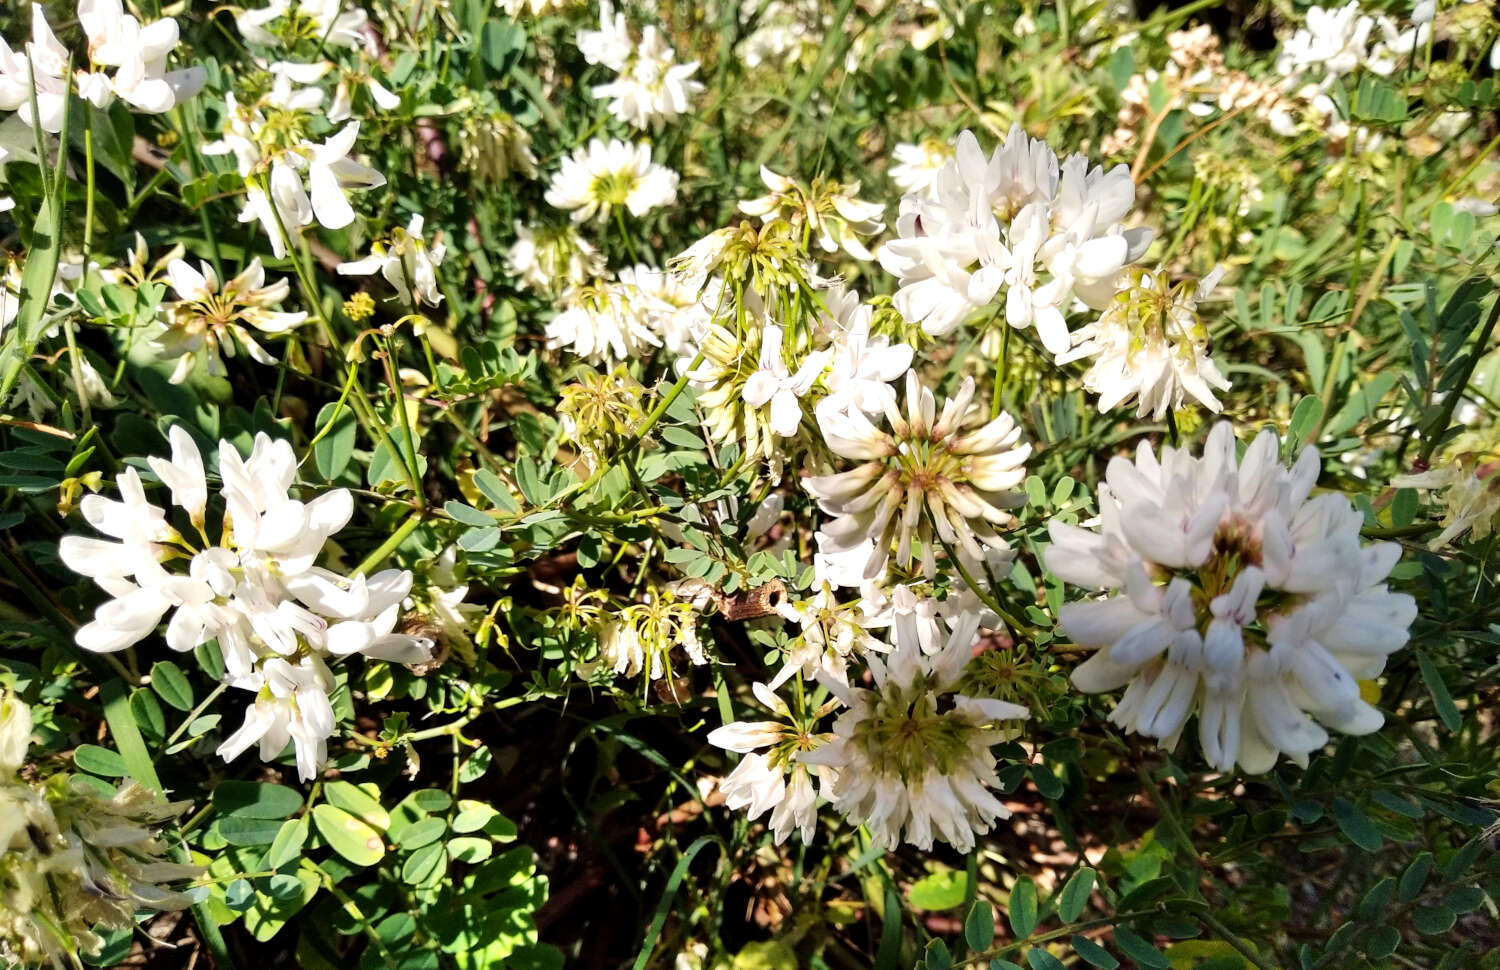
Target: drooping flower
601	323
831	635
1236	597
552	259
925	477
601	175
74	861
206	318
406	262
912	754
1469	493
137	53
827	211
771	776
1150	346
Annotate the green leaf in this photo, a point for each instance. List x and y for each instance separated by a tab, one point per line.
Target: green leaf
1382	941
1377	899
1432	920
1304	416
492	488
172	685
1415	877
1023	908
1442	701
468	515
359	802
255	799
1075	895
245	830
334	447
424	863
941	890
1139	950
979	926
286	848
938	957
1356	825
349	837
477	764
1040	959
1093	954
422	832
99	761
36	289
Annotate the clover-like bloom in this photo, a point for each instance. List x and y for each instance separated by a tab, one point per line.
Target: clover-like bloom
252	584
918	166
1469	493
912	754
1150	346
827	210
771	777
552	259
925	477
406	262
1235	596
602	323
1044	232
206	318
602	175
285	22
651	87
72	860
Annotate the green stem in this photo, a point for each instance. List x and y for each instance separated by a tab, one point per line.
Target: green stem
389	545
1434	431
1229	936
413	470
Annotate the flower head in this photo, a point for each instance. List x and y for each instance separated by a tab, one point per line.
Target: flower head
406	262
551	259
926	477
826	210
602	175
206	318
1235	597
1149	345
912	754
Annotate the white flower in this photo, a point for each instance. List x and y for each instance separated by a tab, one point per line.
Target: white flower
610	45
1150	346
863	366
602	175
1045	233
831	634
913	754
601	323
774	384
830	211
333	22
291	705
930	476
206	318
406	262
42	65
918	166
760	783
291	206
1470	497
256	590
1238	598
15	735
138	53
651	87
552	259
677	307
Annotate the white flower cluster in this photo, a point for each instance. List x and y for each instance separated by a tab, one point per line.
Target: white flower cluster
333	22
126	60
1237	596
282	202
72	861
651	87
1042	232
406	262
257	590
600	176
1332	43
